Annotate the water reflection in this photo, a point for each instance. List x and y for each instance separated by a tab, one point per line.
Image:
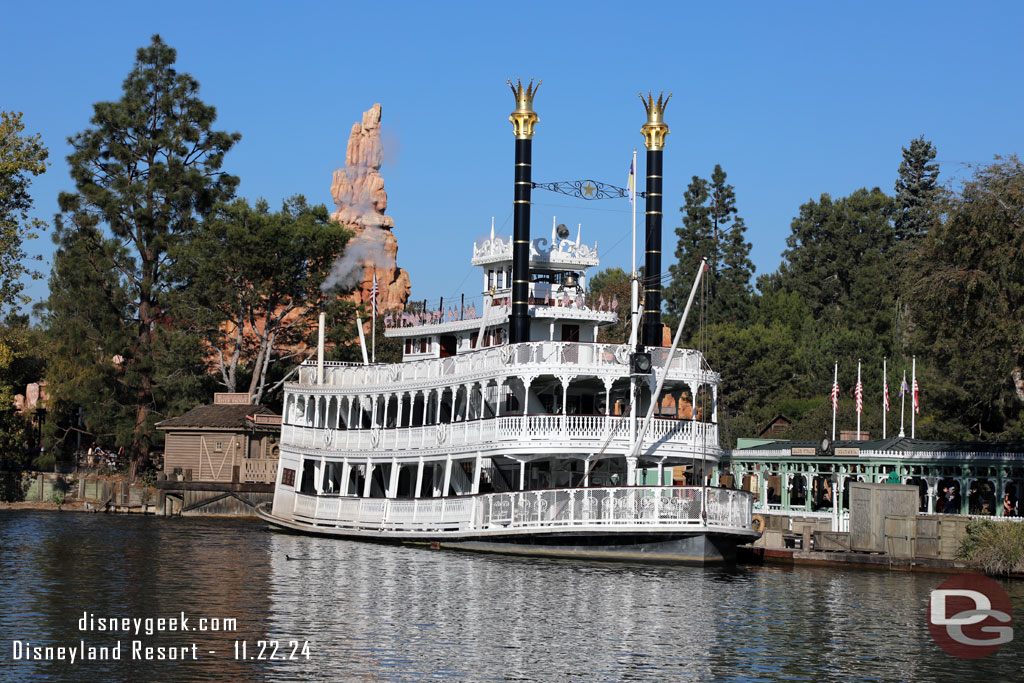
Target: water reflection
386	613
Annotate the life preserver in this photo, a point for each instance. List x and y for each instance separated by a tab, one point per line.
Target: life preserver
757	523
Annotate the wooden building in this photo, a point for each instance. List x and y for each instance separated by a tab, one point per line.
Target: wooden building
228	441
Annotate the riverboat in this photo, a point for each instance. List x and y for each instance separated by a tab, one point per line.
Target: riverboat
514	430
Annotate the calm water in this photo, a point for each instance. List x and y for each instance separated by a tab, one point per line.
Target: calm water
374	612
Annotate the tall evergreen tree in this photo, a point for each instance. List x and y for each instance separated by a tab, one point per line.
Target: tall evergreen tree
917	190
969	285
712	229
251	286
696	240
731	267
836	258
21	156
146	171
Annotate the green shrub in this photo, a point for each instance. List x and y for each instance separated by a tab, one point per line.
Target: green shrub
997	546
13	487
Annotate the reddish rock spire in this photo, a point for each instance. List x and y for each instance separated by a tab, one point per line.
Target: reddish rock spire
358	191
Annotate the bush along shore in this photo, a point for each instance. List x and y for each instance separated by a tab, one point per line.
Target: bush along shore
998	547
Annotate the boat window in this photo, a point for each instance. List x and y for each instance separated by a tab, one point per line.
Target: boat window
448	345
287	477
570	333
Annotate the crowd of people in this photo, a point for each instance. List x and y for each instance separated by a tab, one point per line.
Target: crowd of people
97	457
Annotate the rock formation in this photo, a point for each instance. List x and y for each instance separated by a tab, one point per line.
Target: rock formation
358	191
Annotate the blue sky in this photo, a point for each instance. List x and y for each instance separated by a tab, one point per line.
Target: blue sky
793	99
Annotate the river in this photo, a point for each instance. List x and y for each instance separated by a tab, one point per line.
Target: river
391	613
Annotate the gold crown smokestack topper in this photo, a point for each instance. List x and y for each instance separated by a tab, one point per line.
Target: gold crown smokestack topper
655	130
524	118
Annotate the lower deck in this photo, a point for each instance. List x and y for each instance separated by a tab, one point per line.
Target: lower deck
628	520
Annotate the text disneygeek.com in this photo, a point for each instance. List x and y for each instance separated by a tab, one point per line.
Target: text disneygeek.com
141	650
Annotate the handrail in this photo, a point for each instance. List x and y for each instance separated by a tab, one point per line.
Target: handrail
566	430
545	509
527	355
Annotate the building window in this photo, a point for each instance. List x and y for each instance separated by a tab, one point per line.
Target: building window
288	477
219	446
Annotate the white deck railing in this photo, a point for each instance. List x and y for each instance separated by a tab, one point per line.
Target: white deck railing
641	507
526	358
577	431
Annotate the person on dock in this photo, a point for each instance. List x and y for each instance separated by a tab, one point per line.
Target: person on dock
950	507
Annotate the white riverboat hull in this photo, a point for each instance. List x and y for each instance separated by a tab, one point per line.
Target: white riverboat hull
681	525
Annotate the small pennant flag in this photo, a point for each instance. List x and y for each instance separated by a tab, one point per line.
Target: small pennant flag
859	393
835	395
917	398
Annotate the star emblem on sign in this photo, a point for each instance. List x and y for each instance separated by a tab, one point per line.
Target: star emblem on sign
588	190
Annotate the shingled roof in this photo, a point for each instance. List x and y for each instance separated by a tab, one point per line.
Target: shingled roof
217	417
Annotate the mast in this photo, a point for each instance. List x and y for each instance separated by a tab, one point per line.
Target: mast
523	120
668	361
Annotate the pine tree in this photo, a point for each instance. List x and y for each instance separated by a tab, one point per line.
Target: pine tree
712	229
731	267
251	286
145	172
21	156
969	287
917	190
696	240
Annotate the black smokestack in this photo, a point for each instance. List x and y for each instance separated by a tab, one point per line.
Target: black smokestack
654	132
523	120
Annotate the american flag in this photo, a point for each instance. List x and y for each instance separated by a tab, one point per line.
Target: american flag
859	393
835	395
917	398
885	394
374	293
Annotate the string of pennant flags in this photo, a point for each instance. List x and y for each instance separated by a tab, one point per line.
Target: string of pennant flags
912	390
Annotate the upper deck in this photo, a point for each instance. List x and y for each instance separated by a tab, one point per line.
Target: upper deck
610	361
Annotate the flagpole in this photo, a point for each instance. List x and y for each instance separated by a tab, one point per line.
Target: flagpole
373	323
634	303
634	285
913	395
835	401
885	395
903	400
860	399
